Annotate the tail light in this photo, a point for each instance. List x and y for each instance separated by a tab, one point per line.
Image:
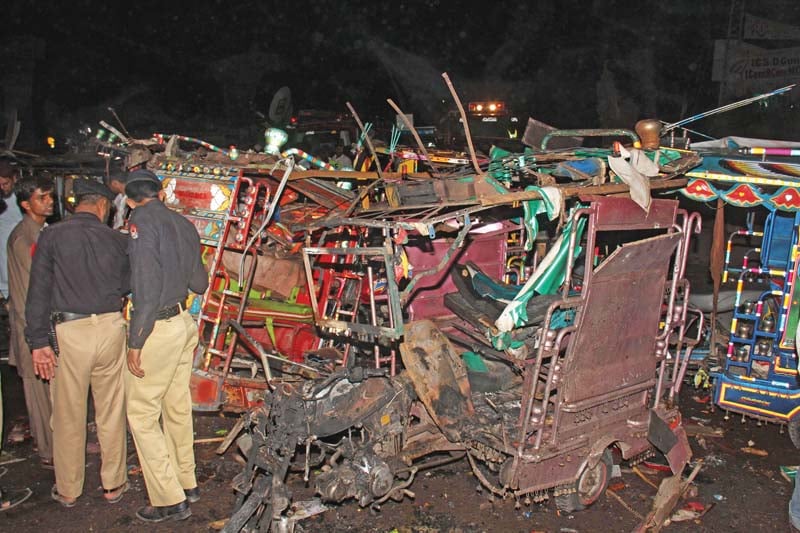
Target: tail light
487	108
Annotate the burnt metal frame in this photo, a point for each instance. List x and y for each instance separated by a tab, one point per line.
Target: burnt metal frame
553	340
384	253
396	298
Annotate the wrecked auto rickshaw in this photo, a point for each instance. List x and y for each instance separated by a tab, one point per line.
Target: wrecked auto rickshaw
432	326
592	381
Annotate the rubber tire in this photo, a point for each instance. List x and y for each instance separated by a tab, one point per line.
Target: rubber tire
794	431
575	501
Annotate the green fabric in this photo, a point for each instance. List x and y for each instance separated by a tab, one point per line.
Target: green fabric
547	281
562	318
553	278
496	153
531	208
474	362
502	340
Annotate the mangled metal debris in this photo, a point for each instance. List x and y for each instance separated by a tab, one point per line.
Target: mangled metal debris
372	324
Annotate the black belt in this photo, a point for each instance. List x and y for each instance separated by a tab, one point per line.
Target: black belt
59	317
169	311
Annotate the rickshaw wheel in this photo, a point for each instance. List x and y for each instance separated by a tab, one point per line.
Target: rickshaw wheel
591	484
794	431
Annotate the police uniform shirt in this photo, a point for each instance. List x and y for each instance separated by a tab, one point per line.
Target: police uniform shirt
164	248
80	266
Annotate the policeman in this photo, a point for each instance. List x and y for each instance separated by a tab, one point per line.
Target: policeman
79	276
164	249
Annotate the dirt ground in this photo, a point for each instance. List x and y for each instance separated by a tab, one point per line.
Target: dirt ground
745	492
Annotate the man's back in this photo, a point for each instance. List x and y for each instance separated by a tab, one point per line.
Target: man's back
80	266
165	259
174	241
92	258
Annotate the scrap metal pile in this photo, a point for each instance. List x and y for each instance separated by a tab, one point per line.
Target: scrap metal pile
372	323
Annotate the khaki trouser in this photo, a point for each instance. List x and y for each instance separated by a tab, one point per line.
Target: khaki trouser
92	354
165	448
37	391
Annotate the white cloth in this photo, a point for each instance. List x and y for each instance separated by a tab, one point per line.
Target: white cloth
120	210
8	221
635	168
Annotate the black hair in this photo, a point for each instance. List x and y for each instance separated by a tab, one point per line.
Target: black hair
24	188
142	189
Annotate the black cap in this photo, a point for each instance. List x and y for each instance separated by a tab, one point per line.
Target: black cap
83	186
142	175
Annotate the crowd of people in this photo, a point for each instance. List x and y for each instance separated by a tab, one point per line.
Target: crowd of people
65	286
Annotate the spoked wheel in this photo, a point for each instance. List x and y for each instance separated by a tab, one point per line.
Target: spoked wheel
590	486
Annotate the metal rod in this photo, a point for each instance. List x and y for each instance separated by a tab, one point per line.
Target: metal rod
463	122
119	121
445	259
372	314
371	150
573	236
266	355
727	107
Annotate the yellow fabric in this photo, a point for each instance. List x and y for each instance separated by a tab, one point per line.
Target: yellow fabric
92	355
166	450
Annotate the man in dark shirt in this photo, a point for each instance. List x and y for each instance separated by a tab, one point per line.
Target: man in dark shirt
164	250
79	276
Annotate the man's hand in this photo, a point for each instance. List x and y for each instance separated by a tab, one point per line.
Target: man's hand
135	362
44	362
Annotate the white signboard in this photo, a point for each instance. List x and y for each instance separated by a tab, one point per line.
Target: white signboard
778	65
746	70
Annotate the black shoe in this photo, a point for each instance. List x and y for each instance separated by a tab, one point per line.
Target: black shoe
192	495
179	511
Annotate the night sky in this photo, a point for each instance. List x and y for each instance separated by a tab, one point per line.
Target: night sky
211	68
